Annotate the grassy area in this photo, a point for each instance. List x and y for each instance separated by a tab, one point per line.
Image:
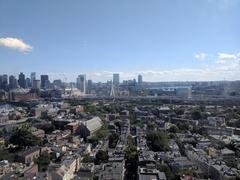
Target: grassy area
103	132
5	155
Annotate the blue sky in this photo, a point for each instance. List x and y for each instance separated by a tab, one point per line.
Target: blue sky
161	39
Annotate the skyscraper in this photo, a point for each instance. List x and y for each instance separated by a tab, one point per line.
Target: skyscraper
28	83
89	86
13	84
36	84
57	83
1	80
21	80
81	83
116	80
4	82
33	77
44	81
140	80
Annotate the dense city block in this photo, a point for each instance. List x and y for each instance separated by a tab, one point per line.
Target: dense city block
110	131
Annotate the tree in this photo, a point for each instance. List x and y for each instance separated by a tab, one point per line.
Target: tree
48	128
151	126
196	114
173	114
164	168
87	159
173	129
90	108
5	155
113	139
179	111
103	132
119	125
94	141
131	157
131	152
158	141
23	138
183	126
43	161
101	157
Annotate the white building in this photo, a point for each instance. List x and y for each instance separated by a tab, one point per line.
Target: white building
87	128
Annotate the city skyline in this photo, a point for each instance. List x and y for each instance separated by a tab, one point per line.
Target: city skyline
161	40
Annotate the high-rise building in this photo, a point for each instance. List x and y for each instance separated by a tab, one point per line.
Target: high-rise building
13	84
33	77
36	84
134	82
89	86
4	82
22	80
140	80
1	80
81	83
57	84
116	80
44	81
28	83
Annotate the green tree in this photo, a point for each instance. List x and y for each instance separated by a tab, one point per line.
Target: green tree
179	111
48	128
151	126
183	126
196	114
158	141
5	155
87	159
103	132
43	161
165	168
173	129
131	157
113	139
90	108
119	125
23	138
101	157
94	141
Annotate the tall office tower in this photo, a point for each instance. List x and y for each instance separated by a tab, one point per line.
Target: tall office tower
134	82
1	84
57	83
81	83
44	81
4	82
21	80
89	86
28	83
36	84
33	77
140	80
116	80
13	84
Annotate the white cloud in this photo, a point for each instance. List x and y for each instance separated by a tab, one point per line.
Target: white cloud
228	69
227	56
223	5
224	58
200	56
14	43
219	72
